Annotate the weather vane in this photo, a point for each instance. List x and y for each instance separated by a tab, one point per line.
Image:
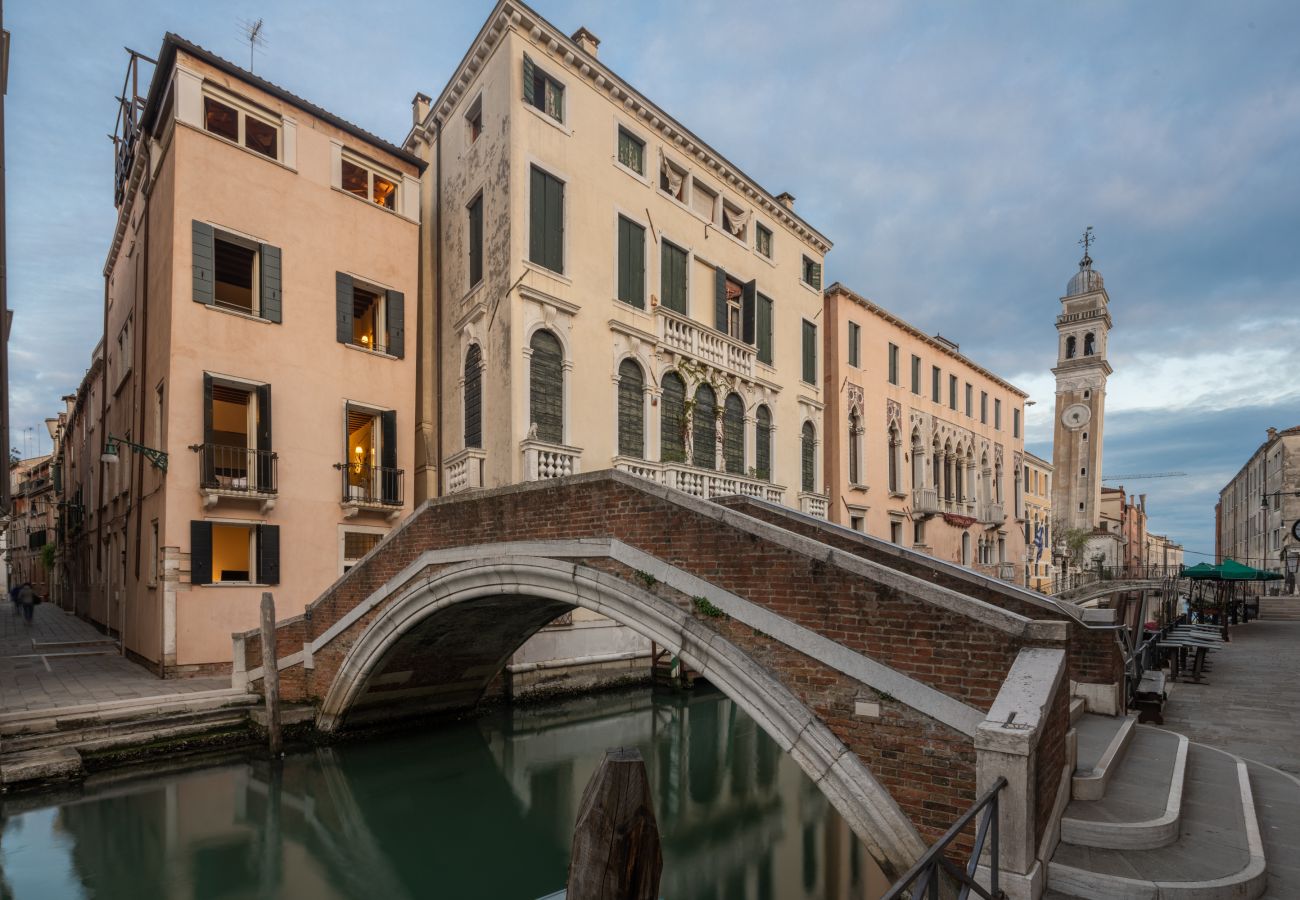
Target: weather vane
1087	241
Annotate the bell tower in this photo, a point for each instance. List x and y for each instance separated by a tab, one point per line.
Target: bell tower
1081	371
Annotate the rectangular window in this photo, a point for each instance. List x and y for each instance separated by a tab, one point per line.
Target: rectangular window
234	553
673	266
368	317
356	544
703	199
997	413
474	121
916	375
855	344
896	532
735	221
543	92
235	273
812	273
1015	423
893	364
367	181
631	263
969	395
546	221
764	343
809	352
984	407
631	151
235	285
672	180
369	322
858	523
476	240
734	294
125	349
370	448
763	240
952	392
936	384
234	123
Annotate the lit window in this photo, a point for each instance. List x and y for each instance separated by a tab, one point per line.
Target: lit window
232	553
369	183
240	126
369	328
631	151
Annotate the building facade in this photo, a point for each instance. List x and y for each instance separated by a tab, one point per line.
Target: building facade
1120	540
254	425
1036	485
31	522
924	447
1258	522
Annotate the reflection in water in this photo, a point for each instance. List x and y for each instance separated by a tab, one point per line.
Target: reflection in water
483	809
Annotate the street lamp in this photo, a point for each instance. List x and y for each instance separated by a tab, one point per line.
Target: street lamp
110	454
1263	498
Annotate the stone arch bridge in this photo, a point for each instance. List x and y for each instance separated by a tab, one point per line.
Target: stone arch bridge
901	684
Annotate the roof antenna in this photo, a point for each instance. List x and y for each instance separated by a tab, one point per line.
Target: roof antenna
1086	241
254	35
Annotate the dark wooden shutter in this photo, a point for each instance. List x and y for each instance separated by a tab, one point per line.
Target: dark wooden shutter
763	443
733	434
265	468
809	352
343	307
720	300
815	274
208	476
269	289
396	313
476	241
268	554
536	215
748	302
200	552
764	329
555	223
704	428
807	461
473	397
672	412
388	456
631	410
546	387
631	263
673	264
529	75
205	264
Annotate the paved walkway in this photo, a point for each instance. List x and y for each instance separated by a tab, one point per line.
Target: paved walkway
34	675
1250	703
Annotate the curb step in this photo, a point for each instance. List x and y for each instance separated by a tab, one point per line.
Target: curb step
130	732
1102	740
44	721
55	764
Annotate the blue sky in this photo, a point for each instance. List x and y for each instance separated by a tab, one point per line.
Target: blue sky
952	151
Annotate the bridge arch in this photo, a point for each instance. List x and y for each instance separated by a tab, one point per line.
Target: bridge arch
522	593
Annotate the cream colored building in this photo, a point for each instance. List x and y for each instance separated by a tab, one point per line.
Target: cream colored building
255	417
1036	486
1258	514
604	289
924	447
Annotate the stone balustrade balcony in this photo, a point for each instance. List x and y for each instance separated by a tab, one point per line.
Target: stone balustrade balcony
814	504
925	501
685	336
544	460
992	514
464	470
705	483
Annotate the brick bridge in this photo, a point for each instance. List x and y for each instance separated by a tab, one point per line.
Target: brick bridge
901	684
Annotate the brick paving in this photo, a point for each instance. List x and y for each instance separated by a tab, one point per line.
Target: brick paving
42	677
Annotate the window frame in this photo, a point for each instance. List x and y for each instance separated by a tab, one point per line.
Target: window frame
936	384
760	229
381	317
233	238
855	344
621	216
984	407
358	529
372	169
916	375
952	392
536	166
254	575
892	373
804	331
474	118
715	216
804	273
622	129
548	79
475	245
243	108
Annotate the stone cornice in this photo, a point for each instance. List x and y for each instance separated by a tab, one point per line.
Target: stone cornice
513	15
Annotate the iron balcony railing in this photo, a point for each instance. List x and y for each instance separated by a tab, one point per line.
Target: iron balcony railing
923	879
376	485
238	470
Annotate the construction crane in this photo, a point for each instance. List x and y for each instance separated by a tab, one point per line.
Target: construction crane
1146	475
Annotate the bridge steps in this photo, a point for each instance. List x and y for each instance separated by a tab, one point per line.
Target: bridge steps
1286	609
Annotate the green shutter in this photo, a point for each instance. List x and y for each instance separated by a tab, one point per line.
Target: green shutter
208	476
265	468
765	329
807	459
631	263
763	443
395	311
270	283
809	352
704	428
473	397
529	97
748	302
733	435
205	265
554	224
537	215
343	307
817	275
546	387
673	275
200	552
631	410
268	554
476	241
388	483
720	299
672	412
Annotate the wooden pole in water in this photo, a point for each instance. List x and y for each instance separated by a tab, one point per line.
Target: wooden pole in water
270	674
616	853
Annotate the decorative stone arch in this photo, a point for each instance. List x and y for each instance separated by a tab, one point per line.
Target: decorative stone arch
548	584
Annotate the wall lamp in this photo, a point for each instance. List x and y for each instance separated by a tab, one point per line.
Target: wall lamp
110	454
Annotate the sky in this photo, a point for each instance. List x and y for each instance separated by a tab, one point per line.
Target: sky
953	152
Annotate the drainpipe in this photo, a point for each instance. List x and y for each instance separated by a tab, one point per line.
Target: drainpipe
437	308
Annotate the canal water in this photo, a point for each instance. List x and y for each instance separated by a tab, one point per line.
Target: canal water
479	809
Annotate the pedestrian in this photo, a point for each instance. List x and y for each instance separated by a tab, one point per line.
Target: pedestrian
27	600
13	596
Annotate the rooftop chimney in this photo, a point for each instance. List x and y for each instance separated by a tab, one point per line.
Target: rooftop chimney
1272	434
586	41
419	109
786	199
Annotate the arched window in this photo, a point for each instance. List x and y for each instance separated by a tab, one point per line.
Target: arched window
959	476
997	483
808	459
704	428
631	410
763	443
918	462
546	387
855	448
733	434
893	458
947	472
1089	344
1070	347
965	548
473	396
672	413
936	460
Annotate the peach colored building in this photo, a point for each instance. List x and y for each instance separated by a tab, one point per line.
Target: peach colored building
1036	487
924	447
260	277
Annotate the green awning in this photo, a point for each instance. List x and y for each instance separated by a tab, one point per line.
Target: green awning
1203	572
1231	570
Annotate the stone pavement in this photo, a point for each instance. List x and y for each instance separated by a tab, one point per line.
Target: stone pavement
1250	702
36	677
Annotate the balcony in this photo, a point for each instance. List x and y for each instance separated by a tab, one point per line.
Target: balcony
543	460
689	338
925	501
369	488
704	483
464	471
237	473
1007	571
813	504
992	514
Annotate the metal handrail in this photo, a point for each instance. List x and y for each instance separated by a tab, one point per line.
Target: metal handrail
372	484
239	470
932	863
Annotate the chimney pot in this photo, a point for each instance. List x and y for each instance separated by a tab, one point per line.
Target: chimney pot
1272	433
786	199
586	41
420	109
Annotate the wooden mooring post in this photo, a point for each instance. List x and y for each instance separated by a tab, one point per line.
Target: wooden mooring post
270	675
616	852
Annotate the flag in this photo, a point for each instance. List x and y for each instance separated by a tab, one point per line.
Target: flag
1038	541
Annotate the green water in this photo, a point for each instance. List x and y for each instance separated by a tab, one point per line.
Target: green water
482	809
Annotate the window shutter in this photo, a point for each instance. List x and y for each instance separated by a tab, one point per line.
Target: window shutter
704	428
720	300
396	313
636	264
270	286
474	397
748	300
200	552
733	435
765	329
208	476
763	443
529	97
817	275
205	265
264	466
808	467
476	241
388	456
631	410
555	224
537	216
809	352
673	264
546	387
672	411
343	307
268	554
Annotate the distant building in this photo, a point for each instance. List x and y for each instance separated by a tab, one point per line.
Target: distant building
924	447
31	522
1259	509
1037	489
1120	539
1162	553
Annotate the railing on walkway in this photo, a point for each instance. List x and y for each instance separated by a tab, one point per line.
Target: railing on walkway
1144	658
1065	581
923	879
237	470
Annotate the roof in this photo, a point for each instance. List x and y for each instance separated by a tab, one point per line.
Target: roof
167	58
1042	463
1261	449
943	346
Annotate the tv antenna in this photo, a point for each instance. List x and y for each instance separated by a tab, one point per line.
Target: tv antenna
256	37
